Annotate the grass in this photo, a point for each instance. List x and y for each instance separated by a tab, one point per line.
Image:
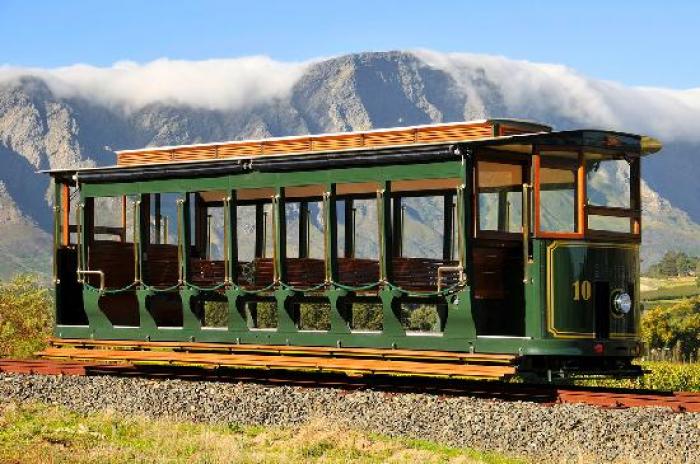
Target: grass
34	433
669	376
671	293
668	289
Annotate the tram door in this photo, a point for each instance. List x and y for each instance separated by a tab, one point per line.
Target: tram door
499	299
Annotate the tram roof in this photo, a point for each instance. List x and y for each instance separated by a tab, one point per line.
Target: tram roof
606	143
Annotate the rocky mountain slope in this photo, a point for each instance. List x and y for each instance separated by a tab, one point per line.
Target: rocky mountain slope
43	127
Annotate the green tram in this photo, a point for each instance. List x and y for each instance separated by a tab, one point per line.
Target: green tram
493	237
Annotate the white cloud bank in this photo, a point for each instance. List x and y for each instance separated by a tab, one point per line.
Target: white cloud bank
533	90
217	84
538	91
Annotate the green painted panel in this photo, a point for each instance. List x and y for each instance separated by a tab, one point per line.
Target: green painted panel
583	277
261	179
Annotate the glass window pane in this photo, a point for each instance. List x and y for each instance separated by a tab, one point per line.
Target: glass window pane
608	183
558	199
500	197
423	226
610	223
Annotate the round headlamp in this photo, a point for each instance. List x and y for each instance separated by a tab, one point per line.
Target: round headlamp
622	303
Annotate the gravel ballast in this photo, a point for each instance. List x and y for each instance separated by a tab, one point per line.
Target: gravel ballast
577	433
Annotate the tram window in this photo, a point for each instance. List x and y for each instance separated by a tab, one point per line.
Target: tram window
609	223
358	227
304	220
558	188
500	199
163	218
366	229
422	221
608	182
113	219
249	235
246	232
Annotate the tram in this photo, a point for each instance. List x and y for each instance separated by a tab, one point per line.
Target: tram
474	249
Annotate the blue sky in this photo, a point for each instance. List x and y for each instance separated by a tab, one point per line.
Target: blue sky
649	43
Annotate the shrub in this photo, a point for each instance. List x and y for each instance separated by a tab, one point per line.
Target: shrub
677	324
26	316
667	376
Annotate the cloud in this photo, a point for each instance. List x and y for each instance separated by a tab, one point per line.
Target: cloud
530	90
539	91
217	84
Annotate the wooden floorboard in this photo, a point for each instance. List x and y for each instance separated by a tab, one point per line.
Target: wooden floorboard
287	361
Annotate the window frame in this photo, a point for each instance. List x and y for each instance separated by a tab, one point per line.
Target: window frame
503	159
582	209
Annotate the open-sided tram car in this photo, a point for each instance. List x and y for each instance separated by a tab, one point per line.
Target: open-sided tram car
498	241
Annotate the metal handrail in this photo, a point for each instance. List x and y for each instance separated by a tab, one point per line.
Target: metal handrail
93	272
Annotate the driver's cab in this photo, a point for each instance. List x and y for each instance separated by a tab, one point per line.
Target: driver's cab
544	199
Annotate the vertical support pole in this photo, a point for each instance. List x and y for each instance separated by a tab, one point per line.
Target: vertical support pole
339	323
503	212
259	230
635	194
385	238
303	229
156	218
88	228
144	233
330	227
57	229
448	227
280	234
536	190
200	229
233	236
186	235
285	317
190	319
581	216
390	305
123	224
349	219
64	217
397	227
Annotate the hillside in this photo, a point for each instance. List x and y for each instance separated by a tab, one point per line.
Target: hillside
50	121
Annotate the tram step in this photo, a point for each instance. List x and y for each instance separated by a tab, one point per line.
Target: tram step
350	366
368	353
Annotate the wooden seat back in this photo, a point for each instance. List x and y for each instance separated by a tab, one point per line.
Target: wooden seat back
115	259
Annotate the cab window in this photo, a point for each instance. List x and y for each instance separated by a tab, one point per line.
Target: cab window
500	202
558	194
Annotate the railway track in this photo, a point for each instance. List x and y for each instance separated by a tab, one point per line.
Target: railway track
542	394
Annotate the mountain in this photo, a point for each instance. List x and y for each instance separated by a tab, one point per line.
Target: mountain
77	116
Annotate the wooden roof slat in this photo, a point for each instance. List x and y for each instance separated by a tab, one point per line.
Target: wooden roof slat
326	142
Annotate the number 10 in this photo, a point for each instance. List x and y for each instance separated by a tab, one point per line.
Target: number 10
582	290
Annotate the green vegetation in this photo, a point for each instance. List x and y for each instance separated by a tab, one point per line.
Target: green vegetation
26	316
674	326
669	376
39	434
